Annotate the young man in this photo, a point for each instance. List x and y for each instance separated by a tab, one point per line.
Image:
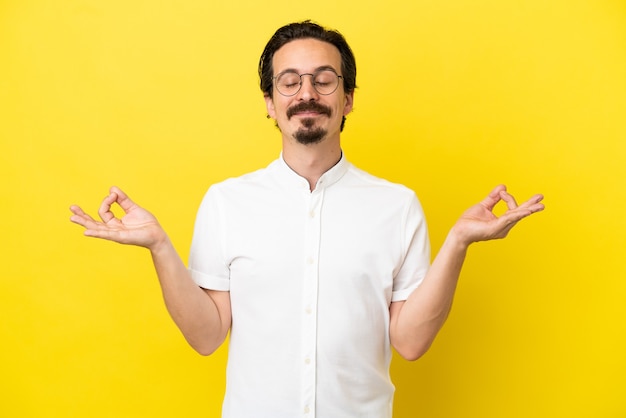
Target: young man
315	267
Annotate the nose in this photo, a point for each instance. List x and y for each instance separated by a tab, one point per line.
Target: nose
307	89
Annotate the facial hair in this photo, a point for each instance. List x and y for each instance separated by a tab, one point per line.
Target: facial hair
308	134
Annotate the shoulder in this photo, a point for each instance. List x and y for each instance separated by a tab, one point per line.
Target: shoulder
241	184
377	197
357	177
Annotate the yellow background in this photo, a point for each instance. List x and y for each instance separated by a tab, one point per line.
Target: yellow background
161	98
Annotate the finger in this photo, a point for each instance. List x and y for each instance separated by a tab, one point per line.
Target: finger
77	210
534	203
95	228
100	231
104	211
80	217
511	203
86	222
535	199
517	214
494	197
122	199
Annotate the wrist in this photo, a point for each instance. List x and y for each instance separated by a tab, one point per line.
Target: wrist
160	242
457	239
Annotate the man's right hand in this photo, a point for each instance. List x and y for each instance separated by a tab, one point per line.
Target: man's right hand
137	227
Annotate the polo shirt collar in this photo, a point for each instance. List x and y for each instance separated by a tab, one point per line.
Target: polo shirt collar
327	179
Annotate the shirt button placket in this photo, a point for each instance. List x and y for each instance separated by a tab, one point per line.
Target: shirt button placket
309	320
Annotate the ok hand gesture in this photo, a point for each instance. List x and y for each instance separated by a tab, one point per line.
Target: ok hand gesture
136	227
479	223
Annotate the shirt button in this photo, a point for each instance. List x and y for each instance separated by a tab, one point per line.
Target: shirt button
306	409
312	214
308	310
309	260
307	361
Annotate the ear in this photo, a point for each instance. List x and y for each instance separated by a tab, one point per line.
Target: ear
269	105
349	103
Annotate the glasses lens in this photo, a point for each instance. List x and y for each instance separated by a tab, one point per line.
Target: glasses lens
288	83
326	81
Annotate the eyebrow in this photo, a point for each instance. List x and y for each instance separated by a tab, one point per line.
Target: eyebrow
321	68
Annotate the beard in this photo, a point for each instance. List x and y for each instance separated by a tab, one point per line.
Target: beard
309	134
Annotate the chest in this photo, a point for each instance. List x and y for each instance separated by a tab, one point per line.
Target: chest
340	242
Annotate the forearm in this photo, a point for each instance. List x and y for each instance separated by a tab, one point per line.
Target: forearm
193	310
202	316
416	321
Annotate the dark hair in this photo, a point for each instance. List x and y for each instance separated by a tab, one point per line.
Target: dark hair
303	30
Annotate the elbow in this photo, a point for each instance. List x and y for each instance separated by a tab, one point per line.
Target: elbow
204	351
412	351
205	347
411	355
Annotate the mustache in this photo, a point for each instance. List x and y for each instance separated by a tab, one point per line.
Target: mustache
308	106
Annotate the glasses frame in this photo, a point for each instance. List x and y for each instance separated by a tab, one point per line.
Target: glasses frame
313	74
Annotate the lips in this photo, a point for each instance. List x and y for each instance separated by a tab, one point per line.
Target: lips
308	107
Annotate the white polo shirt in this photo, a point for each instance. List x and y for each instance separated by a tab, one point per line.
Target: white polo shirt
311	276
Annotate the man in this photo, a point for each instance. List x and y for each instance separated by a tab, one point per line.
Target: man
315	267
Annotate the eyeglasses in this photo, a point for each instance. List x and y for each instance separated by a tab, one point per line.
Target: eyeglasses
325	82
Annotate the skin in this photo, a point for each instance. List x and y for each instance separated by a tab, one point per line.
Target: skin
306	56
204	316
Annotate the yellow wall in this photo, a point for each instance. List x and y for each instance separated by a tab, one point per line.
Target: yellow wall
161	98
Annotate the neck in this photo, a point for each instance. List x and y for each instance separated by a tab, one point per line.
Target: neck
313	160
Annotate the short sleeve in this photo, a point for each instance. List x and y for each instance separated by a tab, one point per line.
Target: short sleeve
207	261
417	254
